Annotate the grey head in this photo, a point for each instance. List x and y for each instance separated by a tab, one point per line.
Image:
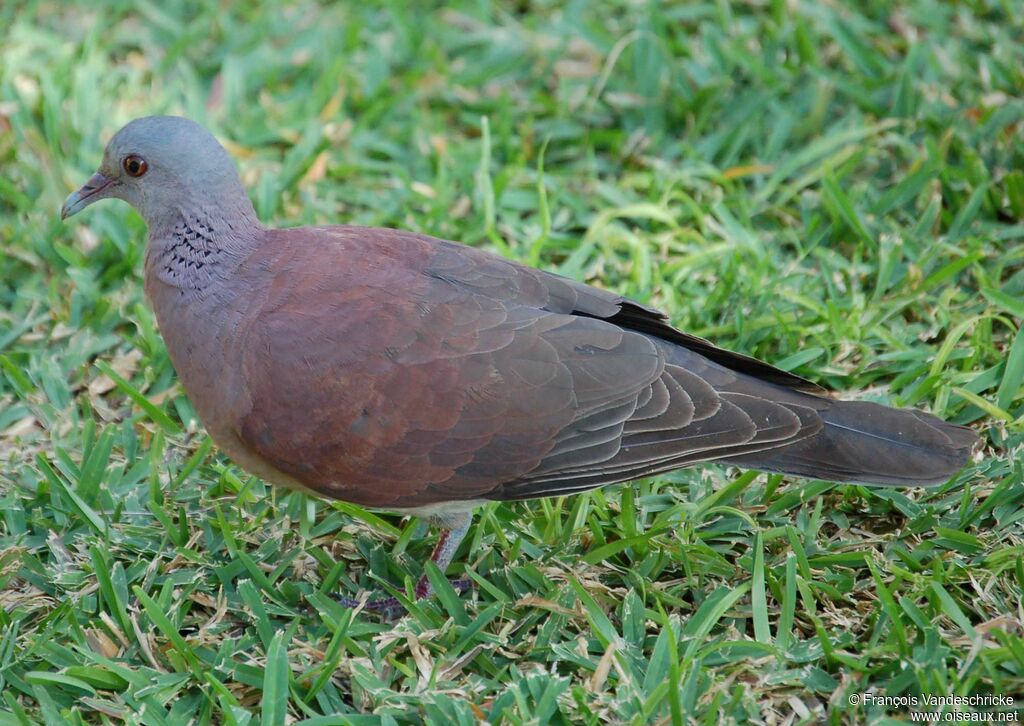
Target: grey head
169	168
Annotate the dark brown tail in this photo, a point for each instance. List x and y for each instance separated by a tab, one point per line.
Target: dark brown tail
866	443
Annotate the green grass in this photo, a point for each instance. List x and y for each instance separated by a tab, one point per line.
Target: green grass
835	187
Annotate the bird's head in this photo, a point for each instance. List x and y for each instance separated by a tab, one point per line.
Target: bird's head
163	166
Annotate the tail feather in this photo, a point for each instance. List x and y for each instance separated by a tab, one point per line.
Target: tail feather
866	443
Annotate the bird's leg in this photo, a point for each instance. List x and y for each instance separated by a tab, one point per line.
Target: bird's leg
453	530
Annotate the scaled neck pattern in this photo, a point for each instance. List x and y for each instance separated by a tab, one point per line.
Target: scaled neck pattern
197	251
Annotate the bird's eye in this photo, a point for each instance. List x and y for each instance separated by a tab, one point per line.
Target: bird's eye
135	165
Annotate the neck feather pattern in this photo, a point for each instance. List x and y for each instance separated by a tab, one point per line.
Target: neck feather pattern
198	250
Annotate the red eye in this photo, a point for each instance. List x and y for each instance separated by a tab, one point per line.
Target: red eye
135	165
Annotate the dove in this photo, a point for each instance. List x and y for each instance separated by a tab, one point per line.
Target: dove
401	372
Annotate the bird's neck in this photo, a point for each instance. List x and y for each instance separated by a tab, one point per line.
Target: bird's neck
197	250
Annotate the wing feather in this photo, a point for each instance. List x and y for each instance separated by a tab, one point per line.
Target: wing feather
401	371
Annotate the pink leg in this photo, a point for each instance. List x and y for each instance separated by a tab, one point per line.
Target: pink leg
445	549
453	531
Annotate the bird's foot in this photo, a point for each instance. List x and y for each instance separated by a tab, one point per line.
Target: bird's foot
393	606
453	531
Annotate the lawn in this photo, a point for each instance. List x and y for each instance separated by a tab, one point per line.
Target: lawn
835	187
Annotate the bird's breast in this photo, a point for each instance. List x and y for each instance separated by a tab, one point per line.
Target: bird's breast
202	333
